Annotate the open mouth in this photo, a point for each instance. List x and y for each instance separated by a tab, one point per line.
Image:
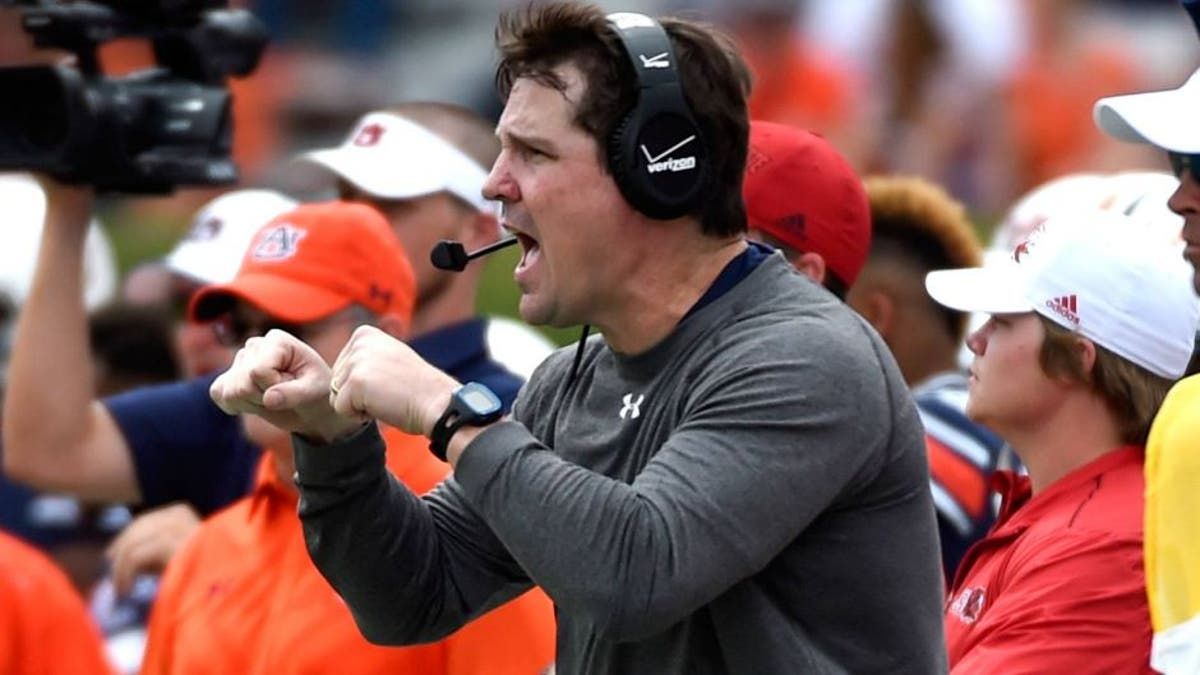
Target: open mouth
530	251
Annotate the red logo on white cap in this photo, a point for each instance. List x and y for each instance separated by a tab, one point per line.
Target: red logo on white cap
278	243
1030	242
1066	306
369	135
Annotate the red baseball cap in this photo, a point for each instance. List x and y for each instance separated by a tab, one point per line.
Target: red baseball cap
800	190
315	260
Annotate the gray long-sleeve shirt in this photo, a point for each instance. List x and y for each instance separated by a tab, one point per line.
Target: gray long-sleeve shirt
749	496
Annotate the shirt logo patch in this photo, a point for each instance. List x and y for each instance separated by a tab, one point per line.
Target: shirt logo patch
632	409
968	606
278	243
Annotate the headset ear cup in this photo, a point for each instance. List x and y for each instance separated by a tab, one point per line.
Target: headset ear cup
618	164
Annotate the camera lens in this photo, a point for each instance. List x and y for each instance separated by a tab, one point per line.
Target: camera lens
35	121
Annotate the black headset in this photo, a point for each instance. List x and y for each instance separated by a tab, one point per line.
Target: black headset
656	152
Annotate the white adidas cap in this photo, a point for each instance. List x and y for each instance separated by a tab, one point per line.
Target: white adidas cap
212	250
391	157
1095	273
1166	119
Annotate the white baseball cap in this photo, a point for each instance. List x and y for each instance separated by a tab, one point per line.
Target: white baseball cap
391	157
1166	119
1095	273
212	250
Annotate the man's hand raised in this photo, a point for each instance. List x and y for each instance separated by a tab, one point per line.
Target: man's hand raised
284	381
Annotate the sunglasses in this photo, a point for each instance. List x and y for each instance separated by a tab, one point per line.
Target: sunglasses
234	329
1183	162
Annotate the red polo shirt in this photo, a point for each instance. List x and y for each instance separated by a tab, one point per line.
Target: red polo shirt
1057	586
242	596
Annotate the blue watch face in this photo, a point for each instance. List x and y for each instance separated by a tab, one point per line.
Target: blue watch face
479	399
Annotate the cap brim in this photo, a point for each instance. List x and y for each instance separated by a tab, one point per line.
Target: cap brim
199	264
1165	119
281	298
978	289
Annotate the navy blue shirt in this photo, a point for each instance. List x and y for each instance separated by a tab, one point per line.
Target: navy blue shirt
461	351
184	448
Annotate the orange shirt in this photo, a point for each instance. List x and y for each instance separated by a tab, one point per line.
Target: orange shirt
44	627
244	597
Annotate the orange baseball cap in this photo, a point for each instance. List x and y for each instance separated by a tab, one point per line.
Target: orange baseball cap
315	260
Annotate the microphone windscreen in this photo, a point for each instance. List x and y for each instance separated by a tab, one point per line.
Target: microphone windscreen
449	255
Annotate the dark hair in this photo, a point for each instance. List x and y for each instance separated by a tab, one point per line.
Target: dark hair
131	347
537	39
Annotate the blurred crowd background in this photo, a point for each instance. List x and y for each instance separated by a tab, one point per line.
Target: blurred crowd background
988	98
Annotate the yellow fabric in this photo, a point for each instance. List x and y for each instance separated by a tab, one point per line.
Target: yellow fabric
1173	509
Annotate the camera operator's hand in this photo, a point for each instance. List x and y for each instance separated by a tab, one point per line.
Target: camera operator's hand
378	376
66	205
286	382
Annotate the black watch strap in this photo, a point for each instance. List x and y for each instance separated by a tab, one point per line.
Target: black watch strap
445	428
470	405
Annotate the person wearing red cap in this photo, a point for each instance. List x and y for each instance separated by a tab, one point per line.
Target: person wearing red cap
44	627
242	595
803	197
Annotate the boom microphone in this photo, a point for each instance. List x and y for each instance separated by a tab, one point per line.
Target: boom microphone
453	256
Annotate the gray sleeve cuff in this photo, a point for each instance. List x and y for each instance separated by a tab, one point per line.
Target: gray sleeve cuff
351	460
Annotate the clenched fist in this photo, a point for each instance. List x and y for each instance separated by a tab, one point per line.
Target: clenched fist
377	376
286	382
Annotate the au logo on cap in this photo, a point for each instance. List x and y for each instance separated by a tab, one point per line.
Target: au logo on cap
278	243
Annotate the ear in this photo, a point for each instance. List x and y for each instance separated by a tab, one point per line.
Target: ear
393	325
1085	350
878	308
811	265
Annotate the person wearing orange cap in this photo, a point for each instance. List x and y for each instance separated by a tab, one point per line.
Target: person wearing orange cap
803	197
44	627
241	595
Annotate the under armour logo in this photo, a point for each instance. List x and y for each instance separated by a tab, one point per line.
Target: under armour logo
369	135
380	295
278	243
656	61
632	409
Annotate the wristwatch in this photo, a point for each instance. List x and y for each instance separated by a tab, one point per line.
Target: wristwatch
470	405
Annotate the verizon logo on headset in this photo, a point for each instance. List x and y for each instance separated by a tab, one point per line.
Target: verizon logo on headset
657	164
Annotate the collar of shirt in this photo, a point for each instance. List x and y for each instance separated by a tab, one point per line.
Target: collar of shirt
1019	508
735	270
449	348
